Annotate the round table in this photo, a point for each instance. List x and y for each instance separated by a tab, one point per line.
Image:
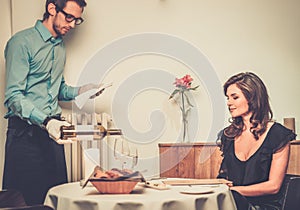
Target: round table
71	196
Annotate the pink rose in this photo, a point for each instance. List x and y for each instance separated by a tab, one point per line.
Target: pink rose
184	82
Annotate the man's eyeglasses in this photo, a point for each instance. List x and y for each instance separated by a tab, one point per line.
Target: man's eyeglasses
69	18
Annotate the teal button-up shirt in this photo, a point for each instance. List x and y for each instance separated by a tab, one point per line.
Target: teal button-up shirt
35	62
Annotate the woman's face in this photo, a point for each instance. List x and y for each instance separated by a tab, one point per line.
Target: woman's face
236	102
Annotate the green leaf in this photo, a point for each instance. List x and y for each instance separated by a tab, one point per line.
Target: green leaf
194	88
174	93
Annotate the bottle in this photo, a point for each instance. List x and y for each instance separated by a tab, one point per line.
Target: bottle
95	132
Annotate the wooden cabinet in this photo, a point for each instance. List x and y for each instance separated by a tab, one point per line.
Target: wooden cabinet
294	162
189	160
202	159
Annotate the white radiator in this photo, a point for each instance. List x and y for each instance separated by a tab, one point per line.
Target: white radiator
83	156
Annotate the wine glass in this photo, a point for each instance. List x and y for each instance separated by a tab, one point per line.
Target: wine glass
134	155
128	155
121	151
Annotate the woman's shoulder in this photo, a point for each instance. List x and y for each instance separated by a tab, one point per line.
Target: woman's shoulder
278	136
281	131
224	141
222	138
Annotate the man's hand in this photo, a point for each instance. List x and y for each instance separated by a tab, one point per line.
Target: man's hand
88	87
53	128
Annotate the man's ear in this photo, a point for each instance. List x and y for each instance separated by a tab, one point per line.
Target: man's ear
51	9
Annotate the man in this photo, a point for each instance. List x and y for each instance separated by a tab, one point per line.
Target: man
35	59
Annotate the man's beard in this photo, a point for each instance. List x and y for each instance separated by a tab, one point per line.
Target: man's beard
55	28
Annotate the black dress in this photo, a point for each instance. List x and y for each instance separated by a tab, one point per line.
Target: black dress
256	169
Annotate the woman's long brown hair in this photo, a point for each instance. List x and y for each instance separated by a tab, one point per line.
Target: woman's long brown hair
257	96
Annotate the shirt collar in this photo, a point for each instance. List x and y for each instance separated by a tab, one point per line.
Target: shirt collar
45	33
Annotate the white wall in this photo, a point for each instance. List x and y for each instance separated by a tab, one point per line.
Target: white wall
233	36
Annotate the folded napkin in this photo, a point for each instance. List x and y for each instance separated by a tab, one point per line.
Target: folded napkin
81	99
135	176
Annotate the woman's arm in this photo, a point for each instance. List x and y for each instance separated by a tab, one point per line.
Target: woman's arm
277	172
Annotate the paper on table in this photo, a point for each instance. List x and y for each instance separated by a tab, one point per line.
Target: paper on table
196	181
81	99
156	184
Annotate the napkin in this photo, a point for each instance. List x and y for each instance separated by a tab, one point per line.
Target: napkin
81	99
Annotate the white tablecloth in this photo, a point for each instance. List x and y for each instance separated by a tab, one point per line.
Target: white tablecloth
71	197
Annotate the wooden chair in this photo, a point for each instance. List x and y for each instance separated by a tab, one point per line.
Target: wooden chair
11	198
291	192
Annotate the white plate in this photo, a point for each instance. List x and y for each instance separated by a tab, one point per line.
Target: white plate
197	190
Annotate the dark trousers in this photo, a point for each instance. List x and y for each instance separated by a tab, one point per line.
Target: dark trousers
33	161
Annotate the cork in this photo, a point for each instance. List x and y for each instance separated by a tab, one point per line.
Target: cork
289	123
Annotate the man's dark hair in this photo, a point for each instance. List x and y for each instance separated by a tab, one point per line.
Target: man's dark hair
61	4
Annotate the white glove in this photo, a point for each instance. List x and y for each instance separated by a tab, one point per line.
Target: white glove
88	87
53	128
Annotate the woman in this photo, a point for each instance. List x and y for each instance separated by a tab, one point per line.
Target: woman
255	148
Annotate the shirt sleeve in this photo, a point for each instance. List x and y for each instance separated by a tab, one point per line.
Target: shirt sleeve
17	68
67	93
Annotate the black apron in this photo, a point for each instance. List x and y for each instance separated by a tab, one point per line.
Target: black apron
33	161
